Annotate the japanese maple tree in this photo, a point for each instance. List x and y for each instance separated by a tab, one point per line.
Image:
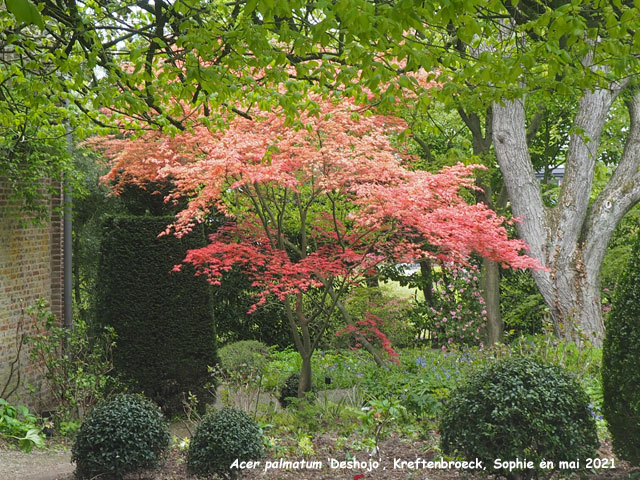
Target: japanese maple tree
312	209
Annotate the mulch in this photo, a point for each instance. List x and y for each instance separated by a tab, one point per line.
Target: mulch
386	465
393	451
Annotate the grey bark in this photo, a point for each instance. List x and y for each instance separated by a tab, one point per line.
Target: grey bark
571	238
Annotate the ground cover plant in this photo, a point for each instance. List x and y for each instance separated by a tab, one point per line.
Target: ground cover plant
19	426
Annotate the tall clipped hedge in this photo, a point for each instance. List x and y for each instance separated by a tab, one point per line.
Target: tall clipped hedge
232	300
621	363
164	320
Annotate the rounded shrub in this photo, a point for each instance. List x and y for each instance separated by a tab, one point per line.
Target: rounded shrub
289	389
247	357
123	435
518	408
621	363
222	437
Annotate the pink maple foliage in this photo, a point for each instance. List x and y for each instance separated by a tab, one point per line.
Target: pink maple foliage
312	207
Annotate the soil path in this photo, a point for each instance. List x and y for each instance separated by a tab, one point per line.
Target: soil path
37	465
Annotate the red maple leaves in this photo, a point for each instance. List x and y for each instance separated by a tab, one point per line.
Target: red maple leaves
315	206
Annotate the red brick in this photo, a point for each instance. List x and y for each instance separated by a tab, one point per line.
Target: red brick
31	267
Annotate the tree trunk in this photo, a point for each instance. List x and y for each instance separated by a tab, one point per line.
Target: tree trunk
77	293
574	304
306	379
298	324
490	284
570	239
427	280
490	274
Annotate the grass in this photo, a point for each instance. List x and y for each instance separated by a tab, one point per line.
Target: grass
393	289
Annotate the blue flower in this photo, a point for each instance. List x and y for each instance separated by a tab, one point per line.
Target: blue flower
421	362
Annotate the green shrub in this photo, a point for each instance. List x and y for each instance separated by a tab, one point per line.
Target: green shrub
17	424
289	389
421	382
582	360
79	378
246	357
126	434
455	315
518	408
392	313
521	305
232	300
621	363
222	437
163	319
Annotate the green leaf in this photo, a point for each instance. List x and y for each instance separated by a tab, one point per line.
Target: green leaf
26	12
250	6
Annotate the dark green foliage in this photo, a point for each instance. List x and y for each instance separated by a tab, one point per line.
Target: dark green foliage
82	376
621	363
246	357
519	408
232	300
88	210
163	319
521	306
126	434
289	389
222	437
149	200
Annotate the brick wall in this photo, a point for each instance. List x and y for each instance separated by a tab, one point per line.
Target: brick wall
31	267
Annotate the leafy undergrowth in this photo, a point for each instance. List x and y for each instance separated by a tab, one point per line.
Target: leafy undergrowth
361	409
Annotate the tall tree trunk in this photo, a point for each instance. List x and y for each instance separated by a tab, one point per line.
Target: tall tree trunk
490	284
77	293
575	302
490	270
427	280
571	238
299	326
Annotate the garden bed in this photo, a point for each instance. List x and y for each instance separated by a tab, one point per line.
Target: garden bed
54	465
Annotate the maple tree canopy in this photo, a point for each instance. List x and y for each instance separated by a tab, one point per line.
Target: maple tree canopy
330	199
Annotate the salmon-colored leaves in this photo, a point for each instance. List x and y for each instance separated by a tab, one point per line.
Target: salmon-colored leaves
328	200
